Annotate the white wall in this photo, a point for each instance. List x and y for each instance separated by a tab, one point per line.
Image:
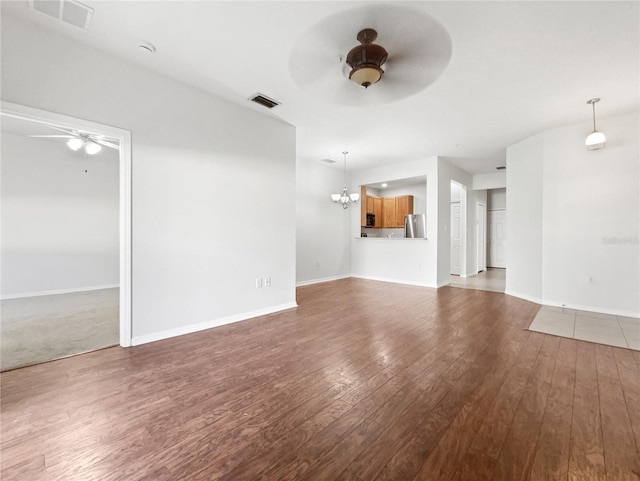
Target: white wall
524	219
496	199
587	206
410	261
590	196
495	180
212	182
322	227
59	224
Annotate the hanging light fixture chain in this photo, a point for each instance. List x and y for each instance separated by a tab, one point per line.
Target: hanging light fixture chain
345	168
344	198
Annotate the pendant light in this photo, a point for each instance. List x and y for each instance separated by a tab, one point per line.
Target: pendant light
345	198
596	140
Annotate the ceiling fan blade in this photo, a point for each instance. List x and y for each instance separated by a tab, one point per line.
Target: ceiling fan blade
106	144
66	131
53	136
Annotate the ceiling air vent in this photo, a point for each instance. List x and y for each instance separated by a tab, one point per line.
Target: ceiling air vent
264	101
328	161
68	11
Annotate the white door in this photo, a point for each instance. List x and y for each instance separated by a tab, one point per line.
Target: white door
497	241
481	235
455	238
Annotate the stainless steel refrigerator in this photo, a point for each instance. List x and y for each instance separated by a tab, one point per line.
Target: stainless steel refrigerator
414	226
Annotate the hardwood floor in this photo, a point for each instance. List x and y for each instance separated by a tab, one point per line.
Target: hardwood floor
363	381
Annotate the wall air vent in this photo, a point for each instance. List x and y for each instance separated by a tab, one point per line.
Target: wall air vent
68	11
264	101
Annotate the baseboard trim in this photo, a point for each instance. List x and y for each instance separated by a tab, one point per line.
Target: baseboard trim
395	281
523	296
201	326
598	310
59	291
577	307
320	280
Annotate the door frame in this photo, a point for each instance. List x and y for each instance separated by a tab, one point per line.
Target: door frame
463	227
124	137
481	235
452	258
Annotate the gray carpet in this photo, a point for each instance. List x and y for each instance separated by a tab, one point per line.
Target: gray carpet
39	329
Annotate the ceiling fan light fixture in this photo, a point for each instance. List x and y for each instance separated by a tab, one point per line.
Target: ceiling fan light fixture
366	59
75	144
92	148
365	76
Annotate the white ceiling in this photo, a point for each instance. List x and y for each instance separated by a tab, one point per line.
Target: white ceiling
516	68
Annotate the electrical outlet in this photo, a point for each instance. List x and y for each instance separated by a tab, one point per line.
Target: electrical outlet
267	281
318	263
258	282
591	281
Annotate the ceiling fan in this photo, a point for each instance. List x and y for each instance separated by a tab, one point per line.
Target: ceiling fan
76	140
411	48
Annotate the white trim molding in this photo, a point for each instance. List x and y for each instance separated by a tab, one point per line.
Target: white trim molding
201	326
59	291
395	281
322	279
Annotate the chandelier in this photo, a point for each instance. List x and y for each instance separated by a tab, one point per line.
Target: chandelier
345	198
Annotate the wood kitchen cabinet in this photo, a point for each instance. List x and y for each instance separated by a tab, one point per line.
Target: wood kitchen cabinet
369	204
377	211
388	212
363	205
404	206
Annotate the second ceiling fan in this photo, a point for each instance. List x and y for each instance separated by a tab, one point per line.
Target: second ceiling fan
76	140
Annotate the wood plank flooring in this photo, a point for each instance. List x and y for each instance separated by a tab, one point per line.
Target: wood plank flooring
364	381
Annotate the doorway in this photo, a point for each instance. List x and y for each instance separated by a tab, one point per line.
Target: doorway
34	293
458	231
481	235
496	239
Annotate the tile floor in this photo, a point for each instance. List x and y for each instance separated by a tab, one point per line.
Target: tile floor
606	329
493	279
